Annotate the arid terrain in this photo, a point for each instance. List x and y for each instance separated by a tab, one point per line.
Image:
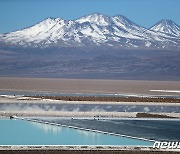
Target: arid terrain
126	92
89	86
97	151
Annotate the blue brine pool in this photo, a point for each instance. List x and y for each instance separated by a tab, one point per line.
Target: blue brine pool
21	132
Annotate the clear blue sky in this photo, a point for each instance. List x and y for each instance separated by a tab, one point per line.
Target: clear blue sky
18	14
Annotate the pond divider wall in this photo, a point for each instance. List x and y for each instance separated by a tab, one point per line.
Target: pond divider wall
79	128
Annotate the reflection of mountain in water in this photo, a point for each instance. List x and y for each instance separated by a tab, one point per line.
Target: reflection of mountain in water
89	107
161	130
86	133
47	128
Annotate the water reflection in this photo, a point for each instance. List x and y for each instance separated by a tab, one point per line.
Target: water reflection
48	106
47	128
88	133
22	132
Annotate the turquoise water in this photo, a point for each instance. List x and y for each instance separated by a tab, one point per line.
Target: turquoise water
20	132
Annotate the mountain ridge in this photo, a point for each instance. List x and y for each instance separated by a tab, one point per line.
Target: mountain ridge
167	26
95	30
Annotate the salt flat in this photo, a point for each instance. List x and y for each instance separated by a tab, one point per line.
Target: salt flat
88	86
14	106
83	86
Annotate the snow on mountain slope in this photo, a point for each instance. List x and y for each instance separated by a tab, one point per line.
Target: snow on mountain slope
168	27
96	18
104	27
94	30
48	31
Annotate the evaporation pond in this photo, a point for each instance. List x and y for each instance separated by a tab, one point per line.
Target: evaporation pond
21	132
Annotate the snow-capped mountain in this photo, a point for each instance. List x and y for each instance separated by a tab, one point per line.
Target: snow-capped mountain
95	30
168	27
